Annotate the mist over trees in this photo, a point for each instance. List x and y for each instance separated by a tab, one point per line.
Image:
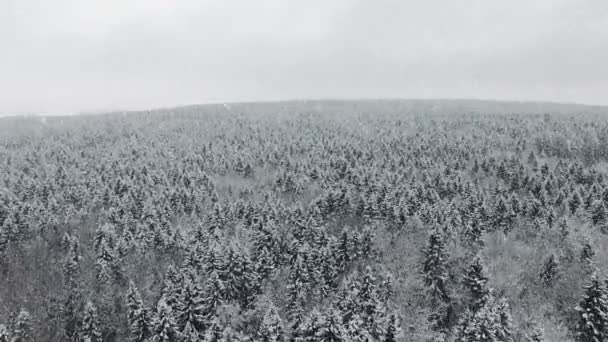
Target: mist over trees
306	221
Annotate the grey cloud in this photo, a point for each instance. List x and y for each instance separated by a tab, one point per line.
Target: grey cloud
66	55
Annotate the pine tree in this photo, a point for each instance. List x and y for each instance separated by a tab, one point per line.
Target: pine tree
297	292
105	263
575	202
535	333
587	254
549	271
599	213
475	280
593	313
271	329
490	323
4	333
310	327
393	329
89	328
165	328
190	315
505	324
564	230
471	234
213	294
215	331
22	331
343	255
434	269
139	317
331	328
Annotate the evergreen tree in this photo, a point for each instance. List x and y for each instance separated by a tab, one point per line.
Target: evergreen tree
471	234
490	323
215	331
587	254
549	271
331	328
593	313
393	329
190	315
599	213
139	317
434	269
165	328
4	333
213	295
575	202
105	263
89	329
534	334
310	327
271	329
22	331
475	280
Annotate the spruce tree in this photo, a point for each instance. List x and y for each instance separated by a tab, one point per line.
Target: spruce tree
599	213
89	329
310	327
271	329
534	333
4	333
475	280
22	330
213	295
489	323
393	329
165	327
549	271
434	269
139	317
593	313
215	331
331	327
587	254
189	313
574	202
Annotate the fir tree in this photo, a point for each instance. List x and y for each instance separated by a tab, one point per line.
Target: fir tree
587	254
105	263
4	333
139	317
434	269
165	328
190	313
213	295
475	280
575	202
599	213
215	331
331	328
549	271
271	329
593	313
534	333
490	323
89	329
310	327
393	329
22	331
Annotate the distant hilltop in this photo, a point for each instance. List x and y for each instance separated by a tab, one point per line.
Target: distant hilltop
431	106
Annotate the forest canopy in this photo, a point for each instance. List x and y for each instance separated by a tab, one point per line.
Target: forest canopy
307	221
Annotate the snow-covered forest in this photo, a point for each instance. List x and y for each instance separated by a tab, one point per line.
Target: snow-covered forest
306	221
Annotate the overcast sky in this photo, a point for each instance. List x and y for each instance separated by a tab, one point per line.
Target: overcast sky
65	56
